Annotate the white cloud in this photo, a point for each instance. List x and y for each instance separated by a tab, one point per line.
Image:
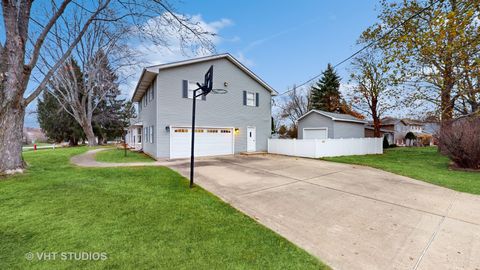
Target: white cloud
244	60
170	46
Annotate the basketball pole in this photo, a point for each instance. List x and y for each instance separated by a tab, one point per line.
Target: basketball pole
192	153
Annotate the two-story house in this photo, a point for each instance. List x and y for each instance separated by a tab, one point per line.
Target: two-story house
234	122
401	127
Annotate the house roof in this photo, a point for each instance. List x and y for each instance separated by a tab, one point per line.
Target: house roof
382	129
149	73
392	121
335	116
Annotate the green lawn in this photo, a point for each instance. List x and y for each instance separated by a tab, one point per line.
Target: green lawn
142	217
422	163
118	155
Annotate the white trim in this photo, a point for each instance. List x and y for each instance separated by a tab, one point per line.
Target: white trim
331	117
311	128
171	127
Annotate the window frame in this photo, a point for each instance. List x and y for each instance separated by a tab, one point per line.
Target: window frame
190	90
253	100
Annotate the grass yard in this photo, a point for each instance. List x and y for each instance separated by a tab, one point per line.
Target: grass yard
118	156
142	218
422	163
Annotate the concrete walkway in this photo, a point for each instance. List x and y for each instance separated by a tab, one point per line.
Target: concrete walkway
87	159
350	217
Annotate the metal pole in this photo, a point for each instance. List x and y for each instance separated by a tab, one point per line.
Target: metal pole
192	154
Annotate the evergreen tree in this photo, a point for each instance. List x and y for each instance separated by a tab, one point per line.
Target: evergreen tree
57	124
325	95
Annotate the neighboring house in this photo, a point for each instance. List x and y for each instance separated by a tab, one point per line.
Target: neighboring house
230	123
401	127
369	133
317	124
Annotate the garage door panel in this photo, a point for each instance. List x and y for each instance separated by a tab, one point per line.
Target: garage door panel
315	133
208	142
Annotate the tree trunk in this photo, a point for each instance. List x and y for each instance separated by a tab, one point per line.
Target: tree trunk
11	134
88	129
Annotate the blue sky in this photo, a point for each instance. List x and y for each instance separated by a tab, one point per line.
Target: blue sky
284	42
287	42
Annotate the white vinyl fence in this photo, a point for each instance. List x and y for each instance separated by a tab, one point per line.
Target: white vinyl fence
325	148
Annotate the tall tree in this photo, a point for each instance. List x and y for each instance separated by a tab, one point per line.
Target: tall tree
37	43
57	124
325	95
429	41
372	93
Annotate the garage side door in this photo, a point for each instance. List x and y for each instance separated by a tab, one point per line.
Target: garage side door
208	142
315	133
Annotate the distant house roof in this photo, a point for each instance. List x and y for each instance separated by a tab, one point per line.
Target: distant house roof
412	122
336	116
149	73
382	129
392	121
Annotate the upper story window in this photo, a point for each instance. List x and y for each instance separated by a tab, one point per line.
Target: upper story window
192	86
251	99
151	93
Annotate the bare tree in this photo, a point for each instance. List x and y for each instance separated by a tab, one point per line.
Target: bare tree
80	87
41	35
294	105
372	93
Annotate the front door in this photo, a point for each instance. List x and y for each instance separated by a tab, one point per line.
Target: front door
251	139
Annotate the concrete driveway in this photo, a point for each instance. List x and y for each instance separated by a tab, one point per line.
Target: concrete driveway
351	217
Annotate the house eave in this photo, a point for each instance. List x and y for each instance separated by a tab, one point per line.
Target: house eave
143	83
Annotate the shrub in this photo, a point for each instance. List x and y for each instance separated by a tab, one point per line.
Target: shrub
410	136
385	143
425	139
460	140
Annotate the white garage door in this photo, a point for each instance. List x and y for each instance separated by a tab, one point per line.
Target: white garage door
315	133
208	142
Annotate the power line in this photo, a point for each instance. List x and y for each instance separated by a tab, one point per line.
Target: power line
366	46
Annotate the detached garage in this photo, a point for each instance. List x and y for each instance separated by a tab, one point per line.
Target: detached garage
321	125
208	141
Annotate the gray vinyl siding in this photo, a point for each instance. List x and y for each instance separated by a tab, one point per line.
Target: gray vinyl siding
348	130
148	117
315	120
226	110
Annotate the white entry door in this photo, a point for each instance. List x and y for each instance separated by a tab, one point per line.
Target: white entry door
251	139
208	141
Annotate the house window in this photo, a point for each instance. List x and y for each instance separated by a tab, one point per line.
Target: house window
139	132
250	99
192	86
152	93
151	134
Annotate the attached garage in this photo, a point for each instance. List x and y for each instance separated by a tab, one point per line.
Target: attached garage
315	133
208	141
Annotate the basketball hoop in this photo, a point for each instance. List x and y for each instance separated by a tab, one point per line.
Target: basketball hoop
219	91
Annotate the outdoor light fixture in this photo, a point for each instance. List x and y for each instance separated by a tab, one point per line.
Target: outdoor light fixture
167	128
237	130
225	84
